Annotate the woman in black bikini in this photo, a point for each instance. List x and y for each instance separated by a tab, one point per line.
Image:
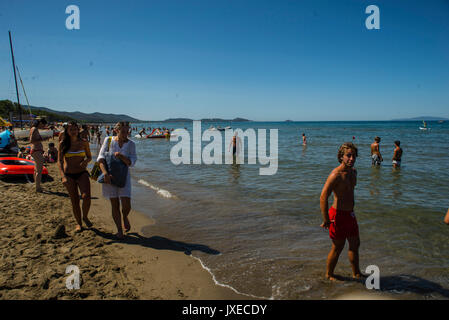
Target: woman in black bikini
73	157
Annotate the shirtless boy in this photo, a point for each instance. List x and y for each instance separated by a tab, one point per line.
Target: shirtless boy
340	218
397	155
376	157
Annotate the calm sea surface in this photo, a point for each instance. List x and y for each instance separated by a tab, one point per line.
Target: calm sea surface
261	235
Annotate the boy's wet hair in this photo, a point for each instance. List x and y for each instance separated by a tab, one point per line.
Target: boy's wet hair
345	146
377	139
397	142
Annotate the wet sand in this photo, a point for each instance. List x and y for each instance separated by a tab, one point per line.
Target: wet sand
34	258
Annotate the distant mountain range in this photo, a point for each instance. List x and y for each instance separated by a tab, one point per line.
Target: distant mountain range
423	118
204	120
95	117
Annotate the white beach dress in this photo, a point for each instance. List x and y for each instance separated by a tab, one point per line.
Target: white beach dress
128	150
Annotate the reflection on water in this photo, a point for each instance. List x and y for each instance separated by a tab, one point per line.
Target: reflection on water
304	149
235	172
375	181
397	187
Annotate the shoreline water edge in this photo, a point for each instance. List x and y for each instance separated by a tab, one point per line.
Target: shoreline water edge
225	232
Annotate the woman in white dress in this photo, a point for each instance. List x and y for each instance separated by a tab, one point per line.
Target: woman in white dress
125	150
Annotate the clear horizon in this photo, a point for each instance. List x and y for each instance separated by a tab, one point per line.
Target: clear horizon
283	60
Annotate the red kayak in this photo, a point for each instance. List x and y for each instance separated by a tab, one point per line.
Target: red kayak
10	166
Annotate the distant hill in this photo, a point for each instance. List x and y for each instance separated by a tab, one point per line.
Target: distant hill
7	107
205	120
425	118
95	117
175	120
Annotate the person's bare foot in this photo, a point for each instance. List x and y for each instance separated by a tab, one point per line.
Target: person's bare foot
78	229
331	277
119	235
126	224
359	276
87	222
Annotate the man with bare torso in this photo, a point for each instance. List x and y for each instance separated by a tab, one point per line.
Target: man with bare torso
376	157
340	219
397	155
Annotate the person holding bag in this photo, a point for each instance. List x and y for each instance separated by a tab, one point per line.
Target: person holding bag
117	154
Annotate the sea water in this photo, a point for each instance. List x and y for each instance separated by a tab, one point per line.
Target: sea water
261	235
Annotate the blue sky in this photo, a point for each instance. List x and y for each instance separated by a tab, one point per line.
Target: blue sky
261	60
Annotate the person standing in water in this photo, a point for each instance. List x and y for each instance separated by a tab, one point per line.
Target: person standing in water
304	139
376	157
397	155
340	219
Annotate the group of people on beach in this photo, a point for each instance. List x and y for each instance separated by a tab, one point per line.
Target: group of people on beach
73	157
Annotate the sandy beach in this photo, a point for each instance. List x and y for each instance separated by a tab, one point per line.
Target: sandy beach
34	257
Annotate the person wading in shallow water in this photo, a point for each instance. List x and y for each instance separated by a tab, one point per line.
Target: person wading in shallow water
397	154
340	219
376	157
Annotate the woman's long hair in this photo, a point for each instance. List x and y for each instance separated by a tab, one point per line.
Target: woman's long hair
66	142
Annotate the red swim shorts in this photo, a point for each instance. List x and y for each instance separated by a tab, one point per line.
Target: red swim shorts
344	225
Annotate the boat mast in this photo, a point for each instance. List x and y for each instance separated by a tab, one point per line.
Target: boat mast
24	92
15	78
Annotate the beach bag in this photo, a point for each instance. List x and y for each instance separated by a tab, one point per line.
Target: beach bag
115	167
96	171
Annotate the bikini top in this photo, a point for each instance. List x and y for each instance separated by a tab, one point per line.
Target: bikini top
70	154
